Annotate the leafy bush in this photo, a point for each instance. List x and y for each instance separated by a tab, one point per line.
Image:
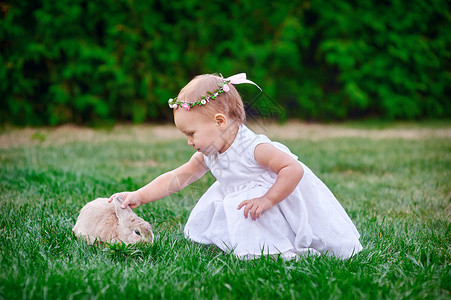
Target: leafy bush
101	61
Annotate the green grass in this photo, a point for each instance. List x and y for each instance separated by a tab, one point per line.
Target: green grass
396	190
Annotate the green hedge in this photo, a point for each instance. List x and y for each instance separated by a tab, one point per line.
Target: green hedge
117	60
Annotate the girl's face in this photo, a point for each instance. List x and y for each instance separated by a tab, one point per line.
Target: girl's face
206	134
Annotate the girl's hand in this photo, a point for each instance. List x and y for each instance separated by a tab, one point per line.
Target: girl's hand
255	206
132	199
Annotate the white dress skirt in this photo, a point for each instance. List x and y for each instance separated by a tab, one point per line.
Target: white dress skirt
309	221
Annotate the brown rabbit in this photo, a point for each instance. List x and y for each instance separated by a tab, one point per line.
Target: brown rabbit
108	222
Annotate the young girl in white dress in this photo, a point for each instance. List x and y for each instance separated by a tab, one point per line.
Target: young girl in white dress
265	201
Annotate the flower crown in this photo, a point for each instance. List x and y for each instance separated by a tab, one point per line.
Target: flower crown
223	87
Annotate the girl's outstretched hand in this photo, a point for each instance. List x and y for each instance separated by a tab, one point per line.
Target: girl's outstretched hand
132	199
255	207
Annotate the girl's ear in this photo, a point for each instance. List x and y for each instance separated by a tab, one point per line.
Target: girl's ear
220	120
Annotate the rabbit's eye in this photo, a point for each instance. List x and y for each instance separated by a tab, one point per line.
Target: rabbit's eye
137	232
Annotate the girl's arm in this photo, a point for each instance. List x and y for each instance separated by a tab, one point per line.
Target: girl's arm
289	173
167	183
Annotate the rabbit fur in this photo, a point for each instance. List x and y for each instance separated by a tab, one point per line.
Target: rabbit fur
108	222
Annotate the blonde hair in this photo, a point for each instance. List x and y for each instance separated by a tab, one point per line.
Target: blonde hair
228	103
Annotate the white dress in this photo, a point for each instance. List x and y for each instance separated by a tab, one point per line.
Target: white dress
309	221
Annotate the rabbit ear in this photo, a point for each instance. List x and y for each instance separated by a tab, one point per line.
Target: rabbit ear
121	213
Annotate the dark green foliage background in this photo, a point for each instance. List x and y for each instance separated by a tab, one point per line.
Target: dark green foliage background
120	60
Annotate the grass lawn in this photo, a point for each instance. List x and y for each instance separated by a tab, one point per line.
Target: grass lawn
394	180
